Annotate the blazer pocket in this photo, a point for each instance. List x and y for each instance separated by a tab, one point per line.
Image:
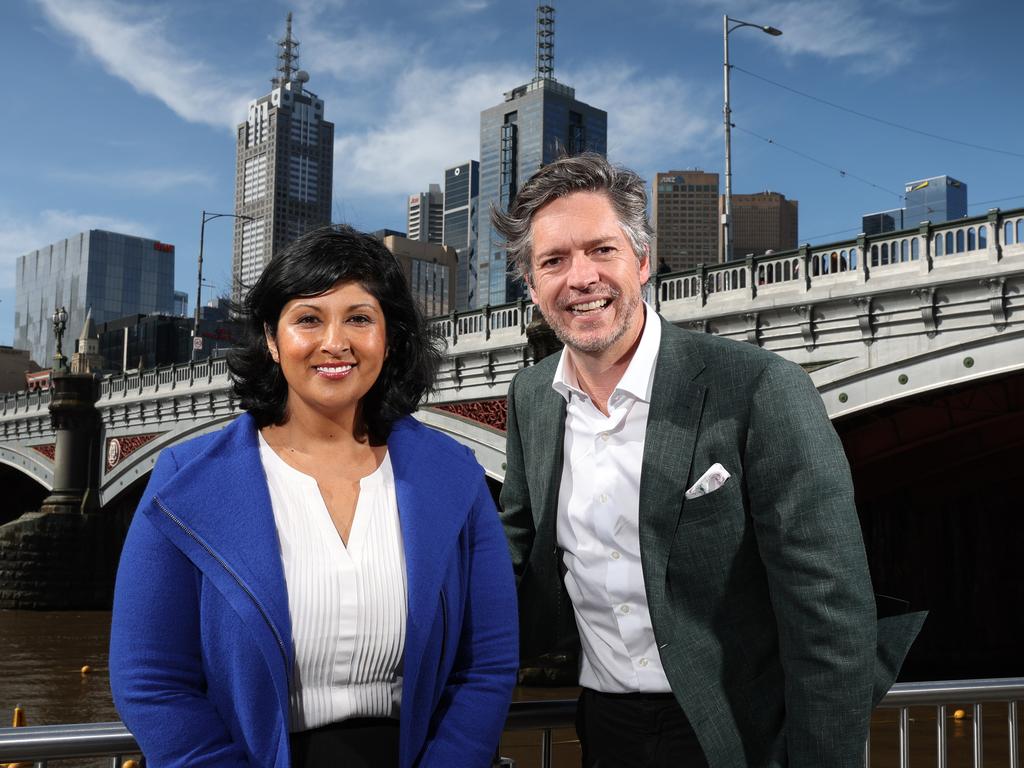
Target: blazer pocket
718	502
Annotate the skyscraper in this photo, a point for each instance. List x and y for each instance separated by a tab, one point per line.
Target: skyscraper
536	123
111	274
764	221
425	221
284	168
685	212
461	203
938	199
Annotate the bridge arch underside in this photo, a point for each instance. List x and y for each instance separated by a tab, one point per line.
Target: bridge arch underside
937	478
23	489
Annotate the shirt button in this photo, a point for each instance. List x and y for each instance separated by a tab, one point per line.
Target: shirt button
643	662
616	554
604	436
624	608
603	498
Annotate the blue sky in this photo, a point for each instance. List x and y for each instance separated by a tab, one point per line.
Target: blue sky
120	114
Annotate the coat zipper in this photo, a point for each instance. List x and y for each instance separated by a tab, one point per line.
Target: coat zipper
238	579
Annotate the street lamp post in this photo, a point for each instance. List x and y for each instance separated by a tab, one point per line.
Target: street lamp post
60	324
727	116
199	271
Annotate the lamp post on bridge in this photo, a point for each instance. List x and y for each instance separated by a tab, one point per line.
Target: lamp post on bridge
199	271
727	116
60	325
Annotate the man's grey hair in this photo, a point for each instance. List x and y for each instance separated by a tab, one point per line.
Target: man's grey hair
588	172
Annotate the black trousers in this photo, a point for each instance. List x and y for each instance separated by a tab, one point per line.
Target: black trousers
635	730
365	742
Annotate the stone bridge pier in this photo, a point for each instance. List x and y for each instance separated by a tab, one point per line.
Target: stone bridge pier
64	554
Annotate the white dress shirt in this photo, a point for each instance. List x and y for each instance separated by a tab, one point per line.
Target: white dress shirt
598	524
347	603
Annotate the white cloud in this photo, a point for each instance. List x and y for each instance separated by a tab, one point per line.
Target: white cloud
649	118
460	7
134	44
851	30
432	123
147	181
346	57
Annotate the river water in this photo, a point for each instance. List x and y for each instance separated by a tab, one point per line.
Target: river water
42	655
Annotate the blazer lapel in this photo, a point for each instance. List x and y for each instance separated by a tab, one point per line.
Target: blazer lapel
677	402
544	444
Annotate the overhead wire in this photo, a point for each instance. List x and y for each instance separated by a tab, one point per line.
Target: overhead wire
842	172
883	121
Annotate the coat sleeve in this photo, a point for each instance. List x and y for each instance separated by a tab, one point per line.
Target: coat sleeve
809	538
156	665
516	513
475	700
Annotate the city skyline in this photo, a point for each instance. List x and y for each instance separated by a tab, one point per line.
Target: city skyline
131	107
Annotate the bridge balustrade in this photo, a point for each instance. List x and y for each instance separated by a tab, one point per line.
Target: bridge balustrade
777	269
833	261
962	239
1013	231
24	402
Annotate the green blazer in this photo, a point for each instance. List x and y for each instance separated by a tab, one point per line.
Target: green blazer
759	592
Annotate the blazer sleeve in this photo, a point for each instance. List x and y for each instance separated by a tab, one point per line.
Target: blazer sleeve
516	513
156	665
476	697
809	539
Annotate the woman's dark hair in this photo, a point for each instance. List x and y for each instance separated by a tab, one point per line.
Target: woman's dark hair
310	266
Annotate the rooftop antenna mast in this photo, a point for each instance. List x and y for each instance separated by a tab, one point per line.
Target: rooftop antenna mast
288	56
545	43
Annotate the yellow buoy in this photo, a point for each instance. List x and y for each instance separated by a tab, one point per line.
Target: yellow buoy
18	721
959	714
129	764
86	669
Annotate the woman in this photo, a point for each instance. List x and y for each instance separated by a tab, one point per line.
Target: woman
325	581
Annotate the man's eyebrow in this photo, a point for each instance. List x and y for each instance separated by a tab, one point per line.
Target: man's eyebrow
587	245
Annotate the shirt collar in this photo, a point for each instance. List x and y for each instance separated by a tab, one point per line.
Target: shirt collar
638	379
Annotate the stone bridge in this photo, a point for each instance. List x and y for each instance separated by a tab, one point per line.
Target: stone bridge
874	321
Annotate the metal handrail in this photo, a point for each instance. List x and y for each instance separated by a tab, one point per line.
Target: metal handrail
37	744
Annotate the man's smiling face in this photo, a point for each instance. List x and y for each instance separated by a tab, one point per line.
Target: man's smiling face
585	278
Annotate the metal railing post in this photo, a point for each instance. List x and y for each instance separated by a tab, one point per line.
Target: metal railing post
545	748
941	746
1011	716
977	735
904	737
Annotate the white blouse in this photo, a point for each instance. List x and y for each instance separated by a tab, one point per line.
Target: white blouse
347	604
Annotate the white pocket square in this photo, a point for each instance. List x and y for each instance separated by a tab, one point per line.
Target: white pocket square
710	481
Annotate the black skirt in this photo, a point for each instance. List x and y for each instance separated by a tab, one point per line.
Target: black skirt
362	742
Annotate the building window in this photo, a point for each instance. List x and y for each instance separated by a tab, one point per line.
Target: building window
507	167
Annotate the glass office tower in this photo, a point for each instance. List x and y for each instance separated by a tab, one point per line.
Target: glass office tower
461	203
112	274
938	199
536	123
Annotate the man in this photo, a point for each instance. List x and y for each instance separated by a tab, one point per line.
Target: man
679	505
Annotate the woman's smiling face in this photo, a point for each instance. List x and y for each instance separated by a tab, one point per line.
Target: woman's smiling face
331	348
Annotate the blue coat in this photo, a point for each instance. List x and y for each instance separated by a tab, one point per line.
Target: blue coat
201	650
